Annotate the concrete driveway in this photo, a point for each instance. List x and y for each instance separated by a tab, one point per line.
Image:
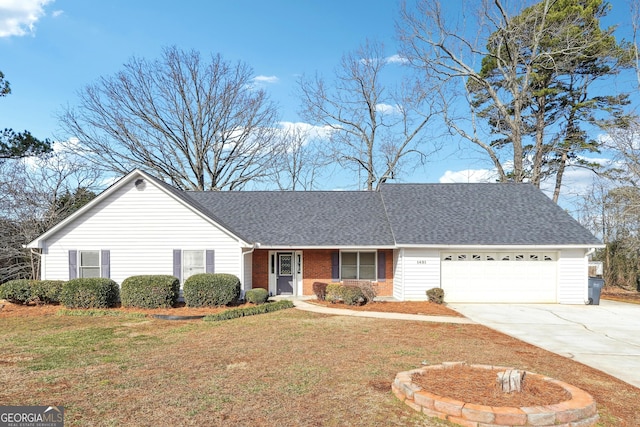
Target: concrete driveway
605	336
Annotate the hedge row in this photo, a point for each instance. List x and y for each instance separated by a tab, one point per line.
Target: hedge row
150	291
249	311
23	291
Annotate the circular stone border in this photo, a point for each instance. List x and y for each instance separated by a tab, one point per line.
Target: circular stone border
579	411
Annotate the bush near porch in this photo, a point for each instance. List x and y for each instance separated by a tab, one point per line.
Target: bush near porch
354	292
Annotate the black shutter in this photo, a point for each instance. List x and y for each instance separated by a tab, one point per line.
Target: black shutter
105	263
382	266
73	264
210	261
335	266
177	263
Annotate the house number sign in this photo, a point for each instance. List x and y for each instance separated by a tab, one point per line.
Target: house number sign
422	262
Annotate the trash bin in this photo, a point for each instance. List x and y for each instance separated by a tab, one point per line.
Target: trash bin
595	287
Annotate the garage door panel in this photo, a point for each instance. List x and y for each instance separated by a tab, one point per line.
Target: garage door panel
499	281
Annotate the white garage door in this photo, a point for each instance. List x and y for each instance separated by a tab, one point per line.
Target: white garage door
517	277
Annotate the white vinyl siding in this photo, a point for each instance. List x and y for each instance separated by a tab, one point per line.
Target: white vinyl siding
141	230
573	276
417	271
247	280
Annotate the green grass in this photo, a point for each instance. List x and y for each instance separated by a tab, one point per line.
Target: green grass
282	368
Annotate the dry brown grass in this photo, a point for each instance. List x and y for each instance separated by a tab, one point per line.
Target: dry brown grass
288	368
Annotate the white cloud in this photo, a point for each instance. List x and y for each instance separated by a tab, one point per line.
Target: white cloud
396	59
18	17
576	181
57	13
469	175
312	132
265	79
387	109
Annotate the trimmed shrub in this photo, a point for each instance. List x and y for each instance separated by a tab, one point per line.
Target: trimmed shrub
368	291
249	311
348	294
90	293
154	291
46	291
320	289
334	292
352	295
256	296
211	289
16	291
436	295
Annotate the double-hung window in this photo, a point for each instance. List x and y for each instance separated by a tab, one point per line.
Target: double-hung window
89	264
358	265
193	262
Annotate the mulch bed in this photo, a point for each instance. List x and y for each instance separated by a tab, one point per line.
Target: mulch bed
479	386
406	307
623	295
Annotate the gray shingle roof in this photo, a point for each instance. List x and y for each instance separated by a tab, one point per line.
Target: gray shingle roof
304	218
403	214
479	214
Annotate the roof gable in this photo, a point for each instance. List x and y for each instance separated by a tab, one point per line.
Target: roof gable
127	179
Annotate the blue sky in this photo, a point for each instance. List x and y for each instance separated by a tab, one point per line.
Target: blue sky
59	46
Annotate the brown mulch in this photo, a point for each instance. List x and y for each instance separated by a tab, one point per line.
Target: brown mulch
479	386
406	307
622	295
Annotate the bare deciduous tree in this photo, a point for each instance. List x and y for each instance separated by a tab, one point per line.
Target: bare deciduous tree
634	6
200	125
300	161
374	129
519	89
35	194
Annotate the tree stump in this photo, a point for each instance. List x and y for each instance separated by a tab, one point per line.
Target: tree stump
511	380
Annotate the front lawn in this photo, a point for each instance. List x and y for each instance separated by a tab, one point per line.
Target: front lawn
284	368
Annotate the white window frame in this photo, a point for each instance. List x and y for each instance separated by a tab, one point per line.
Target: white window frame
183	264
82	267
375	264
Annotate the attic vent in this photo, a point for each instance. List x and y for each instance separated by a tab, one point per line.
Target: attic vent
140	184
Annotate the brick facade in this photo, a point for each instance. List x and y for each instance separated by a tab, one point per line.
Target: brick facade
260	269
316	267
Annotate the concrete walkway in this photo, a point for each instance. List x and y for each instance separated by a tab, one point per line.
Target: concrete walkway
605	336
302	305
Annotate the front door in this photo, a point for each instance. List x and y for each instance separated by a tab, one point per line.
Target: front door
284	274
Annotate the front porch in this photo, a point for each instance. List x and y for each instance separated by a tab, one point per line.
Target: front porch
293	271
